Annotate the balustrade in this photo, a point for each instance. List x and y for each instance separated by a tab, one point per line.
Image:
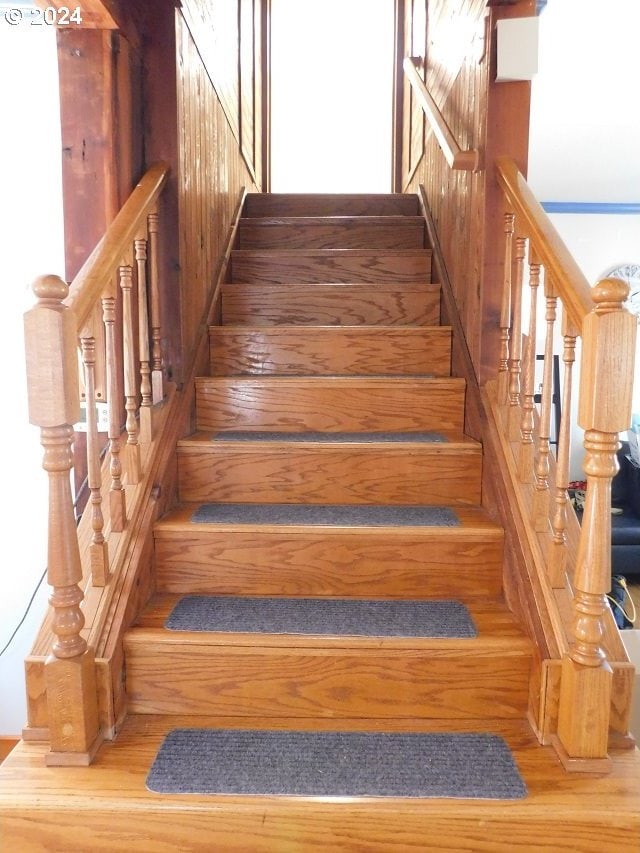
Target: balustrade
607	331
60	333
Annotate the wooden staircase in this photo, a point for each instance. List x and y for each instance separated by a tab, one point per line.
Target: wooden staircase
327	370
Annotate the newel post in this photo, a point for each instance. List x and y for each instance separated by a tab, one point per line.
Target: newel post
52	377
606	380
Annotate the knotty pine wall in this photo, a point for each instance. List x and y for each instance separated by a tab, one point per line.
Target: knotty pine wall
456	40
212	120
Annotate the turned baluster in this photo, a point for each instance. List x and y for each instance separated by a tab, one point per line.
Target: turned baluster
134	468
541	493
527	449
513	411
606	380
98	550
146	400
558	550
505	310
117	505
156	330
54	405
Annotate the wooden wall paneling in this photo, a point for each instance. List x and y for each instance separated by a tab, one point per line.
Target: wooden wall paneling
214	26
160	138
456	78
247	83
212	173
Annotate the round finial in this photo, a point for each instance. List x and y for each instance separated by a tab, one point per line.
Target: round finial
50	288
609	294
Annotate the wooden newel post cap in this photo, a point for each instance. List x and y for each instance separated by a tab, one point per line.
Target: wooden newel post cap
610	294
51	353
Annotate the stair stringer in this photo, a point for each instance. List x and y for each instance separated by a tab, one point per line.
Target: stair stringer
545	613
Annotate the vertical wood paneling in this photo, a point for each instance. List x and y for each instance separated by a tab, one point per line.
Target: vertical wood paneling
212	175
456	76
483	115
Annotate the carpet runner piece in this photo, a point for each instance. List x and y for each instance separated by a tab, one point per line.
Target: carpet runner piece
346	437
335	764
349	515
322	616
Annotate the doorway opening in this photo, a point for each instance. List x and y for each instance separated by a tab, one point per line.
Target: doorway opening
331	95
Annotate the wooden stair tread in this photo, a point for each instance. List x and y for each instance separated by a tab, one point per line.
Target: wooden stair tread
573	812
493	620
452	441
419	562
330	204
474	523
344	232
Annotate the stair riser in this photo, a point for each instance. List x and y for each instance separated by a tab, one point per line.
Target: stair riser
267	825
379	564
330	475
329	266
330	204
349	234
328	305
330	351
171	677
298	406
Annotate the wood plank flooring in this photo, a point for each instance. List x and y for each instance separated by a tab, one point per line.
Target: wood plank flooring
113	810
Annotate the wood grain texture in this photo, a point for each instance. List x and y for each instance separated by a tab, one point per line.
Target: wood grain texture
364	473
464	562
339	232
561	813
330	204
330	265
331	304
347	404
330	350
211	176
178	673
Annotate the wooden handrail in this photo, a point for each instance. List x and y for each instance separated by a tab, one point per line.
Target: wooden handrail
570	283
467	161
589	703
89	284
63	321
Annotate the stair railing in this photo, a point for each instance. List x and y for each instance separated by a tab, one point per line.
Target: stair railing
468	161
535	257
118	344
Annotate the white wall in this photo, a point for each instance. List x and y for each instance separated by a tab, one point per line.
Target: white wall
32	243
585	133
332	83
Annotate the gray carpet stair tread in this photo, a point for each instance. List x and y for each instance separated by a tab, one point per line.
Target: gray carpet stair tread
351	437
336	764
322	616
349	515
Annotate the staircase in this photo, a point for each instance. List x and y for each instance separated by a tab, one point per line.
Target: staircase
329	461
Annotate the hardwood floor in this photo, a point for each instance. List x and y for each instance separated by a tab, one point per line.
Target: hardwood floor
107	807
